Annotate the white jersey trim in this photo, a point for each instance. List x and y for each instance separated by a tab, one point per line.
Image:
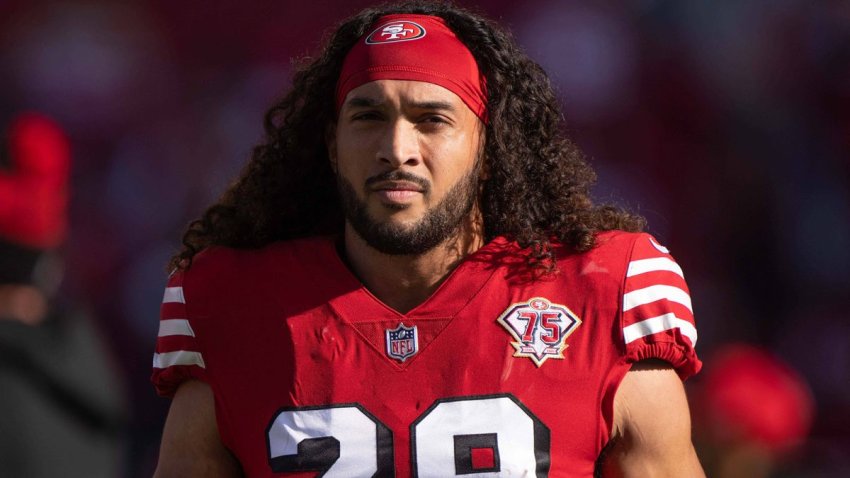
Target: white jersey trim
655	264
659	246
180	357
650	294
171	327
660	324
173	294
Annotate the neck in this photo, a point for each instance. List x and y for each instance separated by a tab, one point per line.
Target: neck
405	281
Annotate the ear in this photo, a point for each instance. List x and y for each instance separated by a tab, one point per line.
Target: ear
484	171
484	175
330	143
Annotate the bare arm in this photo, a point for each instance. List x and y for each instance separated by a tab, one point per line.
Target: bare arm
652	426
191	446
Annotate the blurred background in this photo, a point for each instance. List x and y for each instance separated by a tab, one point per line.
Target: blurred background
725	123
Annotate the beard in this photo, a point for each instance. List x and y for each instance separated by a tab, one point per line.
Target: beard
439	224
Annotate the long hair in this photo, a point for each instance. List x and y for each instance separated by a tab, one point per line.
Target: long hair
537	187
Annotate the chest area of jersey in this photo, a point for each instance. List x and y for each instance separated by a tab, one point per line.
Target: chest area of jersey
500	389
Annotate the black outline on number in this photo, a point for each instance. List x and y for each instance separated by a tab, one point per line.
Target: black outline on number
542	444
382	433
463	449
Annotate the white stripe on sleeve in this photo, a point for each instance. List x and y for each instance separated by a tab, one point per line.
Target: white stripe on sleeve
653	293
175	327
654	264
660	324
659	246
180	357
173	294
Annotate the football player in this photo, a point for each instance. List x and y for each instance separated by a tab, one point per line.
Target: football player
410	279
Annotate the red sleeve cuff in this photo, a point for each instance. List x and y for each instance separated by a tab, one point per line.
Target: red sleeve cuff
683	359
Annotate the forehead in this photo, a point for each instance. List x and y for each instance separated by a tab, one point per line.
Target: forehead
405	91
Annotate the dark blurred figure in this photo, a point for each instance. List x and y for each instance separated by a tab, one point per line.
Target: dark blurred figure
752	413
61	407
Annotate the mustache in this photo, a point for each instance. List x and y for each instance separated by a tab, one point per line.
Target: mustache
399	176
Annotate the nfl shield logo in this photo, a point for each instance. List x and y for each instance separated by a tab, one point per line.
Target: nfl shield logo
402	342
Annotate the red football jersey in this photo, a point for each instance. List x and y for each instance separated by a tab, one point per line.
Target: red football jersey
496	374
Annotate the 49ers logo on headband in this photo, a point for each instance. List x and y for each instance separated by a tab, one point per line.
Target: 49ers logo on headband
399	30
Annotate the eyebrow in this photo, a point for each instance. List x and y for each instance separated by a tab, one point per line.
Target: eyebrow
367	102
362	102
434	105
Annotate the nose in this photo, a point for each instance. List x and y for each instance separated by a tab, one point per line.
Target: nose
399	144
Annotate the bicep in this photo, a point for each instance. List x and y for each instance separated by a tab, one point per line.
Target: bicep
191	446
652	426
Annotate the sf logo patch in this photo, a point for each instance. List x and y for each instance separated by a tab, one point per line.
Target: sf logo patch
396	31
540	328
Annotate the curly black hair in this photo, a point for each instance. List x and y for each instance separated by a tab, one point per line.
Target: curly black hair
537	188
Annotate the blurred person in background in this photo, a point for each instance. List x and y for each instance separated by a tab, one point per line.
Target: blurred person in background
752	413
62	408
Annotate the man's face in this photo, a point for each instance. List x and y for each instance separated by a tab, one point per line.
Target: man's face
406	155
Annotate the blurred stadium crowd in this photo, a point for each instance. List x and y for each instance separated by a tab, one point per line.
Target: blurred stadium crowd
725	123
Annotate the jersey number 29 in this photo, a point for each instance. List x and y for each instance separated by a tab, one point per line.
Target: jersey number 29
493	434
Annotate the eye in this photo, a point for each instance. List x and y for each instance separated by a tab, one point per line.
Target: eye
434	120
366	116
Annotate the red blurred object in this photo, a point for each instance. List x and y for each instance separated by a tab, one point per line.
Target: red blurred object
34	191
751	396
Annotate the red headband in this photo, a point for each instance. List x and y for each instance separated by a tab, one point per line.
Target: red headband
418	48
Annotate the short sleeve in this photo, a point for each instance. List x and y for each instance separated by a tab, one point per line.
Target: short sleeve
657	316
178	356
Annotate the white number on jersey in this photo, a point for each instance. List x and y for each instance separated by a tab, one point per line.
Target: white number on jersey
337	441
488	436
